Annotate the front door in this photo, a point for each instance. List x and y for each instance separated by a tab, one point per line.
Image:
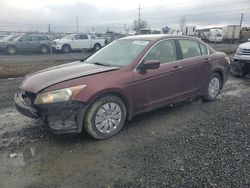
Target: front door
157	87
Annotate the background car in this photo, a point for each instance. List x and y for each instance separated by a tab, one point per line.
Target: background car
77	42
28	43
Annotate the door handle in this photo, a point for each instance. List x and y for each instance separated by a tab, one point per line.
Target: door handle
206	60
177	67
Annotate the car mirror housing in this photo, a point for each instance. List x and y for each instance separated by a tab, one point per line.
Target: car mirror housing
151	64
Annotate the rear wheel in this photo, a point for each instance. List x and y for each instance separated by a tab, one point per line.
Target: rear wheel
97	47
11	50
44	49
66	48
105	117
213	87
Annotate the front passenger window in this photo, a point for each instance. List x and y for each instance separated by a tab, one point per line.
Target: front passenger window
164	52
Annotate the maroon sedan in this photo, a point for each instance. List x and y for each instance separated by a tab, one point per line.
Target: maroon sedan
129	76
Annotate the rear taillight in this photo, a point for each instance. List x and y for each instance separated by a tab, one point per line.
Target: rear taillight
228	60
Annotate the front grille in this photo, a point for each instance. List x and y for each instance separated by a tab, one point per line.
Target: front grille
245	51
31	97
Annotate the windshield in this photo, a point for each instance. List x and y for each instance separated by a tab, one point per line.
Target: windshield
119	53
13	38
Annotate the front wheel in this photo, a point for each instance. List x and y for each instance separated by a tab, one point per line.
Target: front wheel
66	48
105	117
213	87
11	50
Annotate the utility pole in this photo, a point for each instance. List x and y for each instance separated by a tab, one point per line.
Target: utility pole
241	19
139	13
77	24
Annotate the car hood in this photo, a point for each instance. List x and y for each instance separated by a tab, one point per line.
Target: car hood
40	80
245	45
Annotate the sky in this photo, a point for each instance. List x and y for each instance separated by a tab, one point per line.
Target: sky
100	15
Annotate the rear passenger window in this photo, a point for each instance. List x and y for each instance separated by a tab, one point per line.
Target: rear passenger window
44	38
190	48
35	38
204	50
84	37
164	52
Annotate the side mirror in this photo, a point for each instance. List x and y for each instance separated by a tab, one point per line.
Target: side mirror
151	64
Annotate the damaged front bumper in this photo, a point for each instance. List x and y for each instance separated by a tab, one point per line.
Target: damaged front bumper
240	65
62	118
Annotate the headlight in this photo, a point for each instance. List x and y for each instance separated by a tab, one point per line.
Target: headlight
60	95
239	51
53	43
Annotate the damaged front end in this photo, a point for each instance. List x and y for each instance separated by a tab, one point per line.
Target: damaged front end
62	117
240	67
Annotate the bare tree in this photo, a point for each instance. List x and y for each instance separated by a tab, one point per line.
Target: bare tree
139	24
183	22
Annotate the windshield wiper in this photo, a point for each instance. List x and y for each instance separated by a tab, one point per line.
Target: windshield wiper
102	64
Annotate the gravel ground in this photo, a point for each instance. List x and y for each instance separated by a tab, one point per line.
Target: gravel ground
190	144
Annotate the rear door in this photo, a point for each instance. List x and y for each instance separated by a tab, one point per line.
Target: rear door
35	42
195	65
157	87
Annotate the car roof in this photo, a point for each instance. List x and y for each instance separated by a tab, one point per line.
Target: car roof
154	37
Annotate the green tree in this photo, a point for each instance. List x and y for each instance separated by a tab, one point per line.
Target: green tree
139	24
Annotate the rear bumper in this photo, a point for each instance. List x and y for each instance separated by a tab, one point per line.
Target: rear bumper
61	118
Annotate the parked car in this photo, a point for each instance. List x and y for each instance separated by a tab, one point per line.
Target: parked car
129	76
77	42
28	43
241	64
6	38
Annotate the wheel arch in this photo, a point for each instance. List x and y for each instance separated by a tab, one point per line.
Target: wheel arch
67	44
114	93
221	73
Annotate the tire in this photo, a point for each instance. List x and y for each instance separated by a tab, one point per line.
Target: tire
213	87
66	48
100	125
11	50
97	47
43	49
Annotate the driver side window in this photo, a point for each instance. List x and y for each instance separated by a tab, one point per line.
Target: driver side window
164	52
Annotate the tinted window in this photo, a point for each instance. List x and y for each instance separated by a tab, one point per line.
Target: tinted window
204	50
44	38
84	37
35	38
25	39
190	48
77	37
164	52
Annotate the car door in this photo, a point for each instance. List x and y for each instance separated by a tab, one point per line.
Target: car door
24	43
195	65
85	42
35	42
76	42
158	87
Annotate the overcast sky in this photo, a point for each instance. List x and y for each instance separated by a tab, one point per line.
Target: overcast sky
98	15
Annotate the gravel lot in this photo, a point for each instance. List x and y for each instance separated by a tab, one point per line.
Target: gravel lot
191	144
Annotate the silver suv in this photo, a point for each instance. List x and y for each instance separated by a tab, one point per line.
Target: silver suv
27	43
